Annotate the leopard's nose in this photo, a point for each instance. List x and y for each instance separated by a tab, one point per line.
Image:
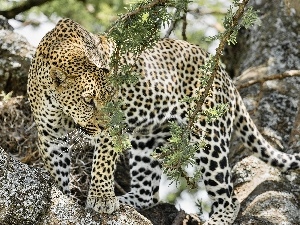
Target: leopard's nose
89	130
83	129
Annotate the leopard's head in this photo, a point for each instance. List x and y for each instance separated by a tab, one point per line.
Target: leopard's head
78	70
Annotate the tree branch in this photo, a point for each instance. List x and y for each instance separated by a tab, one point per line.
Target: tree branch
280	76
200	11
172	26
216	60
137	11
12	13
184	25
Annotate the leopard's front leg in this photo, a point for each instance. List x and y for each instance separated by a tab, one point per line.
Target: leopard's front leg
101	196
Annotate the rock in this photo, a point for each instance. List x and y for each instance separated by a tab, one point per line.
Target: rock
4	25
266	195
271	42
24	192
16	54
29	196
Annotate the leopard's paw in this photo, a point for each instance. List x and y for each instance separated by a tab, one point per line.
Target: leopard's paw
103	205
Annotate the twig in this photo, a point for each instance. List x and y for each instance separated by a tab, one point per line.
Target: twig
120	189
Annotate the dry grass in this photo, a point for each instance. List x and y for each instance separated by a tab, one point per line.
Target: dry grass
18	133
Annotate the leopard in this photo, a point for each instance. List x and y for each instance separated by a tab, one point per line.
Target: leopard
69	84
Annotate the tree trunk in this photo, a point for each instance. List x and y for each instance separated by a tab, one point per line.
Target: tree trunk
273	45
266	66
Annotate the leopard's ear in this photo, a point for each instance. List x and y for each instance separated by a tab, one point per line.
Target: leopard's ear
58	76
99	50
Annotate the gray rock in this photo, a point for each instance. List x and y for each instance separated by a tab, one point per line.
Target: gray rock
266	196
16	54
29	196
24	192
4	25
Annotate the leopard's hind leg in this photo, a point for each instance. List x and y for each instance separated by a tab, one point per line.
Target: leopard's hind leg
145	171
213	161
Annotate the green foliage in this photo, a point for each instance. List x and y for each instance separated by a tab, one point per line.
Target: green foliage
138	30
115	124
133	32
206	70
248	19
215	112
124	75
178	153
6	96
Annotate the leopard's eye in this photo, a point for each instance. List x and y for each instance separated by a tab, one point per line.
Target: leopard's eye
89	101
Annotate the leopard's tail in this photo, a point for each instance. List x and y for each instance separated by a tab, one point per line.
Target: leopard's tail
254	140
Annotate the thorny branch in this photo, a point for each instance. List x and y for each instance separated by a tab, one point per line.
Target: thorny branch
216	59
137	11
